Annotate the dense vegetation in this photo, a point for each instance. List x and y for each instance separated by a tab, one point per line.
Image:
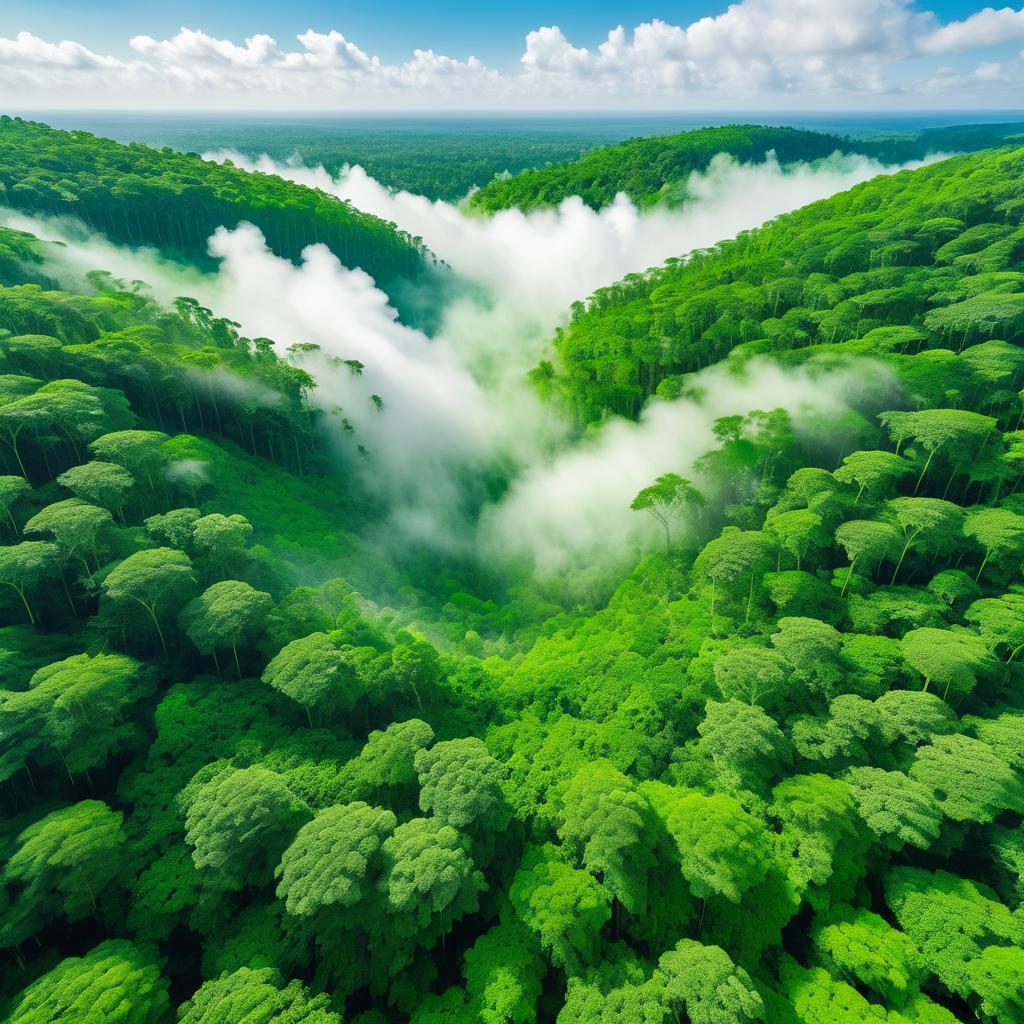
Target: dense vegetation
442	158
935	250
778	777
656	170
141	196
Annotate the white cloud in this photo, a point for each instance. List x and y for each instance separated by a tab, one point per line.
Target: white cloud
989	71
779	44
751	50
987	27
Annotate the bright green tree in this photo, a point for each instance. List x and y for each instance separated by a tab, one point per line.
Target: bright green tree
158	580
226	614
116	982
330	861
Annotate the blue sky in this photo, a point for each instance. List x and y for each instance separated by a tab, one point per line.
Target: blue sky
529	55
492	32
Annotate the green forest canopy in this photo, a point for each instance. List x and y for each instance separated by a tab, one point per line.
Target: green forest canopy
776	777
141	196
656	169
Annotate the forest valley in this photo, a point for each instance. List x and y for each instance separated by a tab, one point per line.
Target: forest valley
302	721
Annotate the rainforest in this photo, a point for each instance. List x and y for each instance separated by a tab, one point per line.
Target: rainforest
593	597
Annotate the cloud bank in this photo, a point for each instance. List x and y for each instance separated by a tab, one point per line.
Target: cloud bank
820	50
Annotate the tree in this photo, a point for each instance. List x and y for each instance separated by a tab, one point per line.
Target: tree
959	434
221	539
865	541
954	587
257	997
821	841
945	657
315	673
950	919
12	490
116	982
723	850
140	452
13	419
1000	533
797	531
75	526
746	745
812	650
897	809
874	472
997	976
847	735
387	762
100	483
750	674
705	982
1000	621
731	558
461	784
970	783
329	862
63	865
238	823
504	973
669	497
224	615
427	874
158	580
174	529
863	946
607	827
26	567
924	523
914	717
564	907
413	667
80	707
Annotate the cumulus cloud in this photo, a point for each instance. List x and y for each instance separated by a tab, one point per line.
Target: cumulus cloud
756	44
752	48
987	27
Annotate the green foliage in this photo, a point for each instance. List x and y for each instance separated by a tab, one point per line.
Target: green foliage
117	982
327	863
132	194
773	773
656	170
259	997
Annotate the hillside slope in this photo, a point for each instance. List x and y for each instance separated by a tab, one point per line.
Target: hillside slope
141	196
655	170
939	248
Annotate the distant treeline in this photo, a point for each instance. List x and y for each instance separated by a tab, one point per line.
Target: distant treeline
656	170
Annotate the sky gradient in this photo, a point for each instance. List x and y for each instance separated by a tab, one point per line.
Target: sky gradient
754	54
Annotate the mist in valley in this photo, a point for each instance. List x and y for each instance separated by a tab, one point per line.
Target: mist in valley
424	421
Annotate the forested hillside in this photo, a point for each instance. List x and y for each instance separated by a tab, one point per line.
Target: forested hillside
936	250
655	170
142	196
251	771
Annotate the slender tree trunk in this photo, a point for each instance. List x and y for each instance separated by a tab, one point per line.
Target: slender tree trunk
849	573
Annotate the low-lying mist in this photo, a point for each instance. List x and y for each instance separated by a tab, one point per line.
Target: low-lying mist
435	415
